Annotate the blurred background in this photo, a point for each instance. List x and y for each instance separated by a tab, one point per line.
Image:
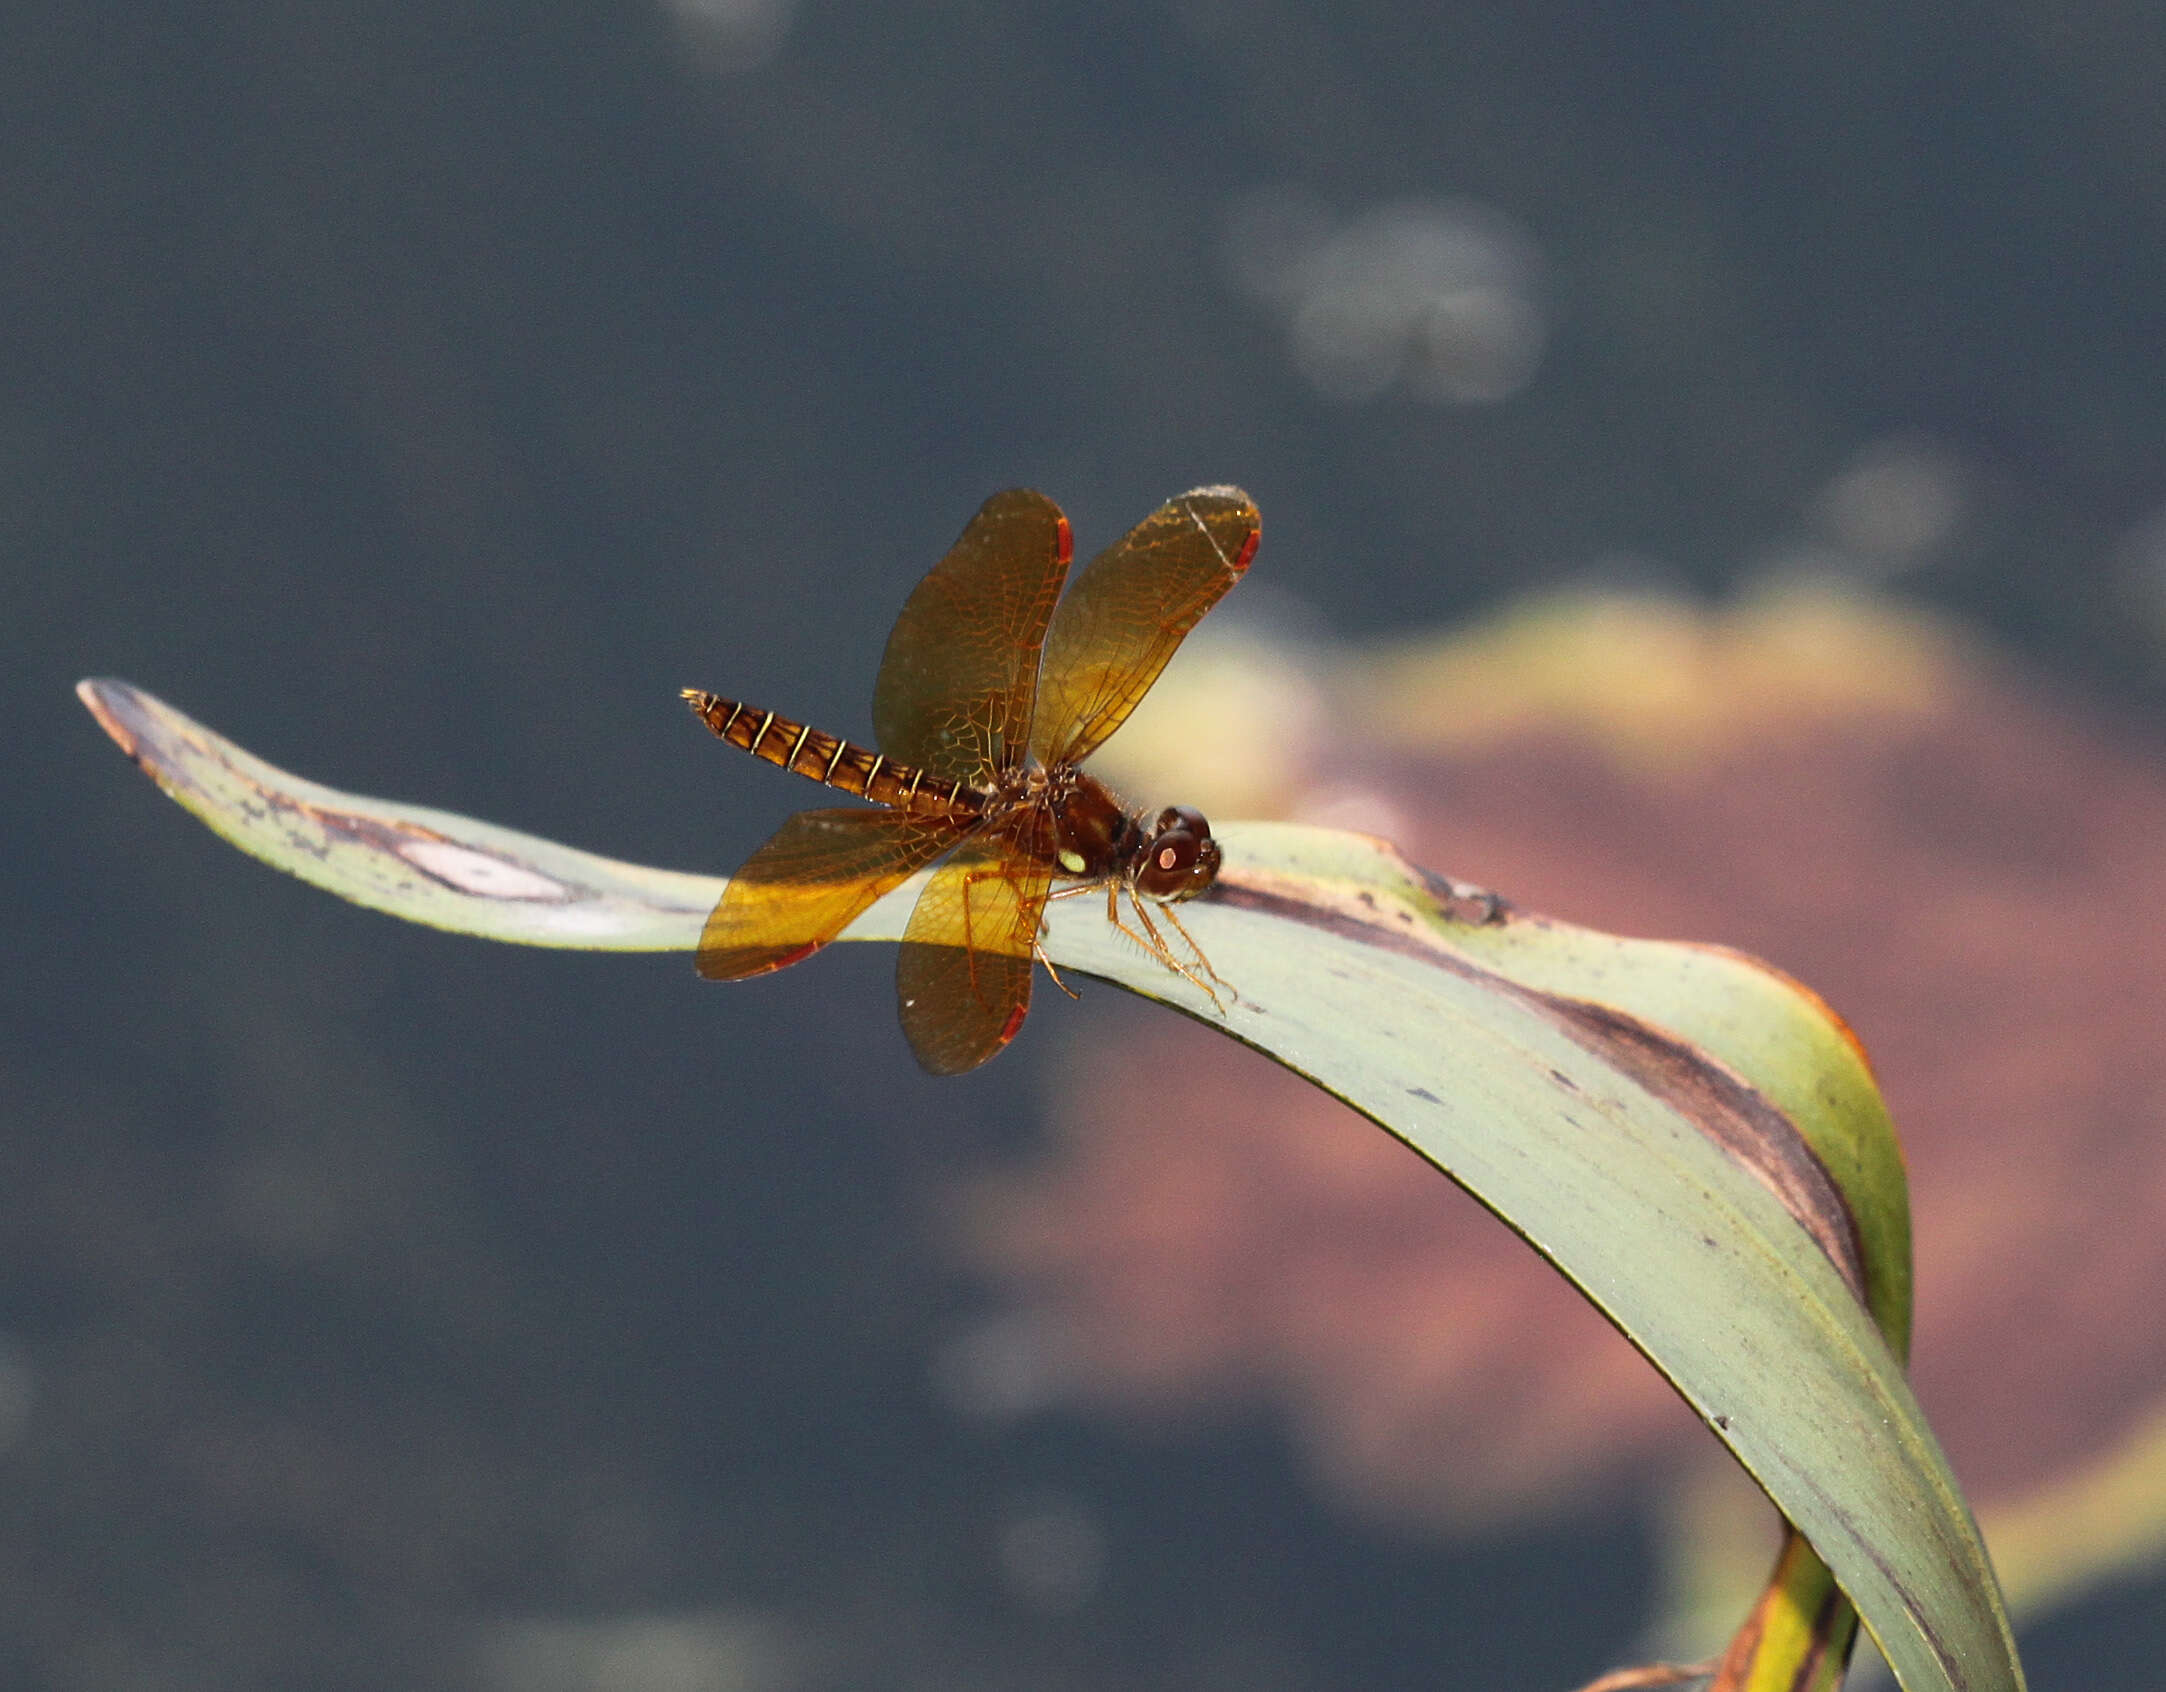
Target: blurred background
1714	478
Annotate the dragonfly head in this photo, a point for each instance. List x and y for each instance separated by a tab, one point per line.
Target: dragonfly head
1179	858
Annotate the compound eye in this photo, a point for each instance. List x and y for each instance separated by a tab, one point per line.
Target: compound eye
1180	858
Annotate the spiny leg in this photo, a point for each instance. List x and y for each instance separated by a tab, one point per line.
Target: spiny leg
1060	893
1165	952
1150	940
1155	943
1181	928
1037	947
1040	950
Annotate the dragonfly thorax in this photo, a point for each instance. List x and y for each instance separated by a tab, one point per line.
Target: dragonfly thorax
1097	837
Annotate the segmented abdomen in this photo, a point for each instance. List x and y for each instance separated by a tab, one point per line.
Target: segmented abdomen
824	758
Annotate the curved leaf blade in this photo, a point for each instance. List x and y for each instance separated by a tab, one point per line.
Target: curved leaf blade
408	861
1697	1260
1550	1071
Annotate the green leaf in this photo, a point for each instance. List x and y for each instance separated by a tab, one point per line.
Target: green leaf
405	860
1687	1135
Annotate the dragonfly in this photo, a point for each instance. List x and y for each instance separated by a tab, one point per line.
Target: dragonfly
993	691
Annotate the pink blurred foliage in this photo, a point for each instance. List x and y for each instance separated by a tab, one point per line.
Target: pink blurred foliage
1973	873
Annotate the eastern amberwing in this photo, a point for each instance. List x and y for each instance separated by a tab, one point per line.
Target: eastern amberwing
988	700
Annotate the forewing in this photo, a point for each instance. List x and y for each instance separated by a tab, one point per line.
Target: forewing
956	687
801	889
963	975
1128	612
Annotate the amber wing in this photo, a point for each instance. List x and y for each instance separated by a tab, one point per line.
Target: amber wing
820	870
1128	612
964	971
957	684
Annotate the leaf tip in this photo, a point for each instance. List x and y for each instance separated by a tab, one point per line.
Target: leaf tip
109	701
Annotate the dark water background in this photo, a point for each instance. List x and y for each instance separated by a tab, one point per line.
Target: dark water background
422	395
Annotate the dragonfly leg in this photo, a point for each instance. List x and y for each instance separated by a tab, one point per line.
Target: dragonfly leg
1061	893
1037	948
1054	973
1181	928
1154	943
